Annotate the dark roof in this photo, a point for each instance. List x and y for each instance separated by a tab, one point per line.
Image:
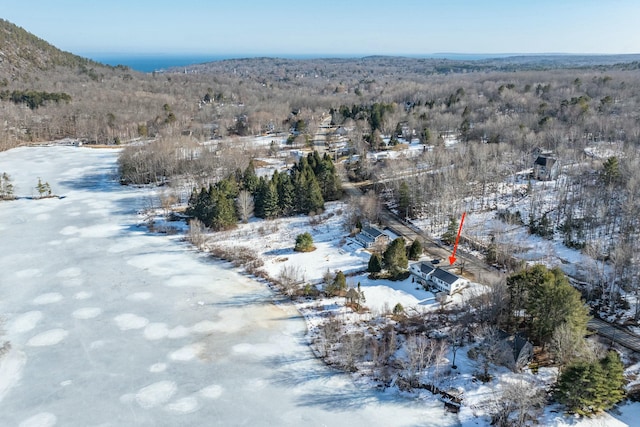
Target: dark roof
545	161
521	347
372	231
444	275
426	268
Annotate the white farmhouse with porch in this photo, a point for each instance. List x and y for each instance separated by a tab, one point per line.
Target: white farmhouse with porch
437	277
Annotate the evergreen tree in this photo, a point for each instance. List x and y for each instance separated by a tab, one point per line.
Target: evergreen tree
328	179
575	387
449	237
404	200
415	250
6	187
398	309
395	256
610	171
270	201
315	202
614	379
198	204
304	243
44	189
300	200
314	162
375	263
338	285
229	187
259	196
548	300
249	178
587	388
286	195
222	211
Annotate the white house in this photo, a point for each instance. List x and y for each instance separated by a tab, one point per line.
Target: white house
422	271
442	280
370	235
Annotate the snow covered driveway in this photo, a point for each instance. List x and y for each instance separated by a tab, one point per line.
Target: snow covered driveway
112	326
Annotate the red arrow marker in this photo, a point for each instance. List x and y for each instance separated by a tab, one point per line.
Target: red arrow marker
452	258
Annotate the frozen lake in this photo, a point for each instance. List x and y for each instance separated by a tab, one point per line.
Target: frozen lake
113	326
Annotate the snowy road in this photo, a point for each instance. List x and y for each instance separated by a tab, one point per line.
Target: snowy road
112	326
615	334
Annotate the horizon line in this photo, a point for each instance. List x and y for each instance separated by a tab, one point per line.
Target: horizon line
339	55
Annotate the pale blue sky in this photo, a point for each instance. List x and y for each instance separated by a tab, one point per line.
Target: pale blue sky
339	27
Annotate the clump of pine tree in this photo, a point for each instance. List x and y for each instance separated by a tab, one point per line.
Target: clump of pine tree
590	387
302	190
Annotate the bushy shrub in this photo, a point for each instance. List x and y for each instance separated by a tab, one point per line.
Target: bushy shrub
304	243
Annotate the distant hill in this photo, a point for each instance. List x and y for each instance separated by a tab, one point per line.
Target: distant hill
22	52
379	65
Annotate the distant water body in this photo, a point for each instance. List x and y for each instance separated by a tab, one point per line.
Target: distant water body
151	63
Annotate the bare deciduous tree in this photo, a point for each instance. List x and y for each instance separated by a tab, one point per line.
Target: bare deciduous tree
244	204
518	403
168	198
351	350
566	345
290	277
196	234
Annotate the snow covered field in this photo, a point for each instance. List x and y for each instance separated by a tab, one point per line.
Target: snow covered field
111	326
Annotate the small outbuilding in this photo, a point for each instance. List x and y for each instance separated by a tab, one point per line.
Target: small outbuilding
545	168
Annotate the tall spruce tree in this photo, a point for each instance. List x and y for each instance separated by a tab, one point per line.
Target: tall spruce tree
315	202
614	378
222	212
395	256
404	200
415	250
286	195
258	198
270	202
375	263
449	236
249	178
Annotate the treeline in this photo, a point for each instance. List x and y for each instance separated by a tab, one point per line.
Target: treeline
301	190
374	113
33	98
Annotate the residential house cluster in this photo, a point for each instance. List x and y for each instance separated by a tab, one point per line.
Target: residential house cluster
429	275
